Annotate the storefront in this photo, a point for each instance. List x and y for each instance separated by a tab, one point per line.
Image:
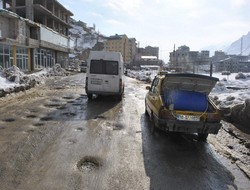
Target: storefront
21	57
44	58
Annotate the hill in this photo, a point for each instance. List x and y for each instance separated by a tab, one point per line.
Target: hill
235	47
85	38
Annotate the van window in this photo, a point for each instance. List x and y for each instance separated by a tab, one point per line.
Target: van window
104	67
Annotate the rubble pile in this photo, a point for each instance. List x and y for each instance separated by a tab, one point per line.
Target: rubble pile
57	70
26	81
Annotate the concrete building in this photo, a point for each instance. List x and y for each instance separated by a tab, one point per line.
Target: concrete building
185	60
34	34
234	64
218	56
121	43
149	51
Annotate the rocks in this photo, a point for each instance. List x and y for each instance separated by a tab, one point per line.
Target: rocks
240	76
2	93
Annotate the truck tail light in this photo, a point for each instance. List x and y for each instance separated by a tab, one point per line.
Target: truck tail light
213	117
165	114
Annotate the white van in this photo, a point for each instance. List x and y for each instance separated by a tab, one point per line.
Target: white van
105	74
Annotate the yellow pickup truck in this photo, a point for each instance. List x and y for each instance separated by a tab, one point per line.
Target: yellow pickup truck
179	102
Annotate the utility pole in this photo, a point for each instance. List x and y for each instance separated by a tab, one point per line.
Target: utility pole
241	45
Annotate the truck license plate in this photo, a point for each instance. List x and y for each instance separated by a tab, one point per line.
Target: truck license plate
188	117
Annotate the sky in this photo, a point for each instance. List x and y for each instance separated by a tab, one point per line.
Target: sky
199	24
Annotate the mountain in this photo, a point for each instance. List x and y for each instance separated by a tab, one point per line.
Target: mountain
235	47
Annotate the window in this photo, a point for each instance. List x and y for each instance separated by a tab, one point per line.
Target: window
104	67
154	84
6	56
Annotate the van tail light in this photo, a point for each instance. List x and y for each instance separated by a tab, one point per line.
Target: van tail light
165	114
120	85
86	84
213	117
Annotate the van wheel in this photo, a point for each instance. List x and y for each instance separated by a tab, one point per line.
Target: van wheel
90	96
202	137
120	97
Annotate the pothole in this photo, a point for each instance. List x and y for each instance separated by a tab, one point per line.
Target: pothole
30	131
33	111
118	126
100	117
31	116
9	120
2	127
47	118
38	124
59	87
79	129
88	164
55	100
76	104
69	114
51	105
61	108
68	97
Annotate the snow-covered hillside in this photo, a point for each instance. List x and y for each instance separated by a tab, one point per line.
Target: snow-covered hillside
235	47
84	37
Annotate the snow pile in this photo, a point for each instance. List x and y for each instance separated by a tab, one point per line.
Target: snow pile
231	90
142	75
14	80
232	96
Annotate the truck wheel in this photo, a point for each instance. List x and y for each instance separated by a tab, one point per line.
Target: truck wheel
146	112
152	126
202	137
90	96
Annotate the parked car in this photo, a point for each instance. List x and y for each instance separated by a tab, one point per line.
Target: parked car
83	66
180	103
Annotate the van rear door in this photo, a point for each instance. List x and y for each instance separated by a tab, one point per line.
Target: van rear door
104	76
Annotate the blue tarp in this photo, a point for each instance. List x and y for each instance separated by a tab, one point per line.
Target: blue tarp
186	100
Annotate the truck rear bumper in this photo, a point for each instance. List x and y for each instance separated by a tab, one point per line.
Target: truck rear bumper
188	126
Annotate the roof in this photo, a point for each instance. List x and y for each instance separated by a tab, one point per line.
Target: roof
117	37
8	14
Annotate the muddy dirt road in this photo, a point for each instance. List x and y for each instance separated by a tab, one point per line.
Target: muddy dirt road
52	137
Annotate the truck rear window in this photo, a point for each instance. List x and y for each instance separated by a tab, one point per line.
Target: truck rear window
104	67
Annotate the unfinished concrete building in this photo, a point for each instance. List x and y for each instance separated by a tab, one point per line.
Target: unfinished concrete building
34	34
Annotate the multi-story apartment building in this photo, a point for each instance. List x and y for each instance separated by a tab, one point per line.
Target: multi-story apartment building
234	64
34	34
183	59
149	51
121	43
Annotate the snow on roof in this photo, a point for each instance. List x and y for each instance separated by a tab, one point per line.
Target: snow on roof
148	57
